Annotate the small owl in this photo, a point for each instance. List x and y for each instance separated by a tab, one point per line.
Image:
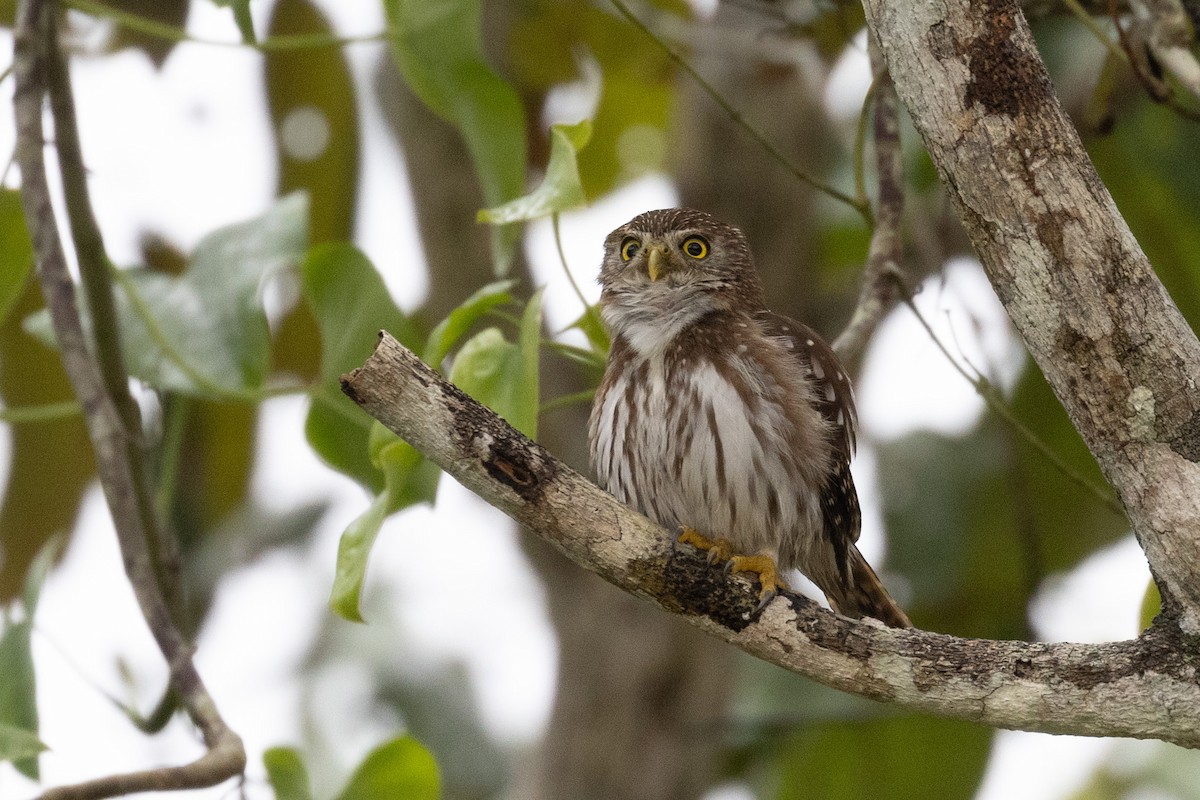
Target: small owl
724	419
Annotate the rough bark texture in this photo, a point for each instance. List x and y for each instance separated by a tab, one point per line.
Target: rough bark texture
1112	344
1144	688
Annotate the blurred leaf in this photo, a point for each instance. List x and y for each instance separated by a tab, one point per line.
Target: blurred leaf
833	29
445	336
439	711
593	328
637	84
503	375
976	522
50	464
205	332
401	768
19	746
16	251
1072	522
560	190
18	692
164	12
287	774
1148	164
314	118
351	305
890	759
1132	770
241	16
439	51
1151	606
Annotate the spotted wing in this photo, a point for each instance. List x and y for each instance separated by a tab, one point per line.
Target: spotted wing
835	397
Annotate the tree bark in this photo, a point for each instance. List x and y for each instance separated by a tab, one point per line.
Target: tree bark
1079	289
1145	688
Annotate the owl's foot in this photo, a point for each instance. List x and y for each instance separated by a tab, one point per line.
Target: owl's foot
717	549
761	565
769	580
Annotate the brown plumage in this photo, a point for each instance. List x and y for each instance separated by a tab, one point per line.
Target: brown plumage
722	417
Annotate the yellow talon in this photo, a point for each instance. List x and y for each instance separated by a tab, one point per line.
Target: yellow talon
769	581
717	549
762	565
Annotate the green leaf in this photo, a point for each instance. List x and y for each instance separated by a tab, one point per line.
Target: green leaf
16	251
560	190
503	375
311	94
896	758
351	305
205	332
18	691
447	333
241	16
593	328
171	14
19	746
408	479
438	48
401	768
637	92
287	774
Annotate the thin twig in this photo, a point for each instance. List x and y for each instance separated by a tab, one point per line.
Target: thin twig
882	272
738	119
991	397
35	62
102	308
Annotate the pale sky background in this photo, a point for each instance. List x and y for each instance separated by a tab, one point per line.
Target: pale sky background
185	150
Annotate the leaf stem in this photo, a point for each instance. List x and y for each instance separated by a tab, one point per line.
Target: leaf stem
43	413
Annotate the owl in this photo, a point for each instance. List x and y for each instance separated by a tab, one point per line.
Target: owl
724	420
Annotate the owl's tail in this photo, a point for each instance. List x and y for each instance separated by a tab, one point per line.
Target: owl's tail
865	596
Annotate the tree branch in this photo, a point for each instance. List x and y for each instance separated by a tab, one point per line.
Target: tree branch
1082	294
880	288
1144	688
125	488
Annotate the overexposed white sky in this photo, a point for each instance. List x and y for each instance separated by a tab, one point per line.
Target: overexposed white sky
184	150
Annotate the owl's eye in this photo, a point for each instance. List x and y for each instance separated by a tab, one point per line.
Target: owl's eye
695	246
629	248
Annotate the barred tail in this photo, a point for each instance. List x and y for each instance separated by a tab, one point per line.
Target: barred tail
865	596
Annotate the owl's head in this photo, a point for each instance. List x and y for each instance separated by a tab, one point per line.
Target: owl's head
675	259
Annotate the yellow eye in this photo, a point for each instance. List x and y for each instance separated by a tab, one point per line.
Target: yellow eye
696	247
629	248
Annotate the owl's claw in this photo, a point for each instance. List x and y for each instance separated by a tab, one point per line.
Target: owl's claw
717	549
762	565
769	581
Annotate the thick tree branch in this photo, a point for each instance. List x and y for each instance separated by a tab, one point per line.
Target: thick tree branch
1112	344
1144	688
124	484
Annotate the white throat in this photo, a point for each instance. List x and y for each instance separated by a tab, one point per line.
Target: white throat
650	330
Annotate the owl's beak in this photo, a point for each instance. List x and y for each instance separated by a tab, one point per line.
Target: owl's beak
657	262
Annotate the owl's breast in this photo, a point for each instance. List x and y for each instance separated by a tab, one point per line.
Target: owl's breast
712	443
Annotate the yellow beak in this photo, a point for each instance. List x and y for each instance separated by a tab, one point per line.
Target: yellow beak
658	263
